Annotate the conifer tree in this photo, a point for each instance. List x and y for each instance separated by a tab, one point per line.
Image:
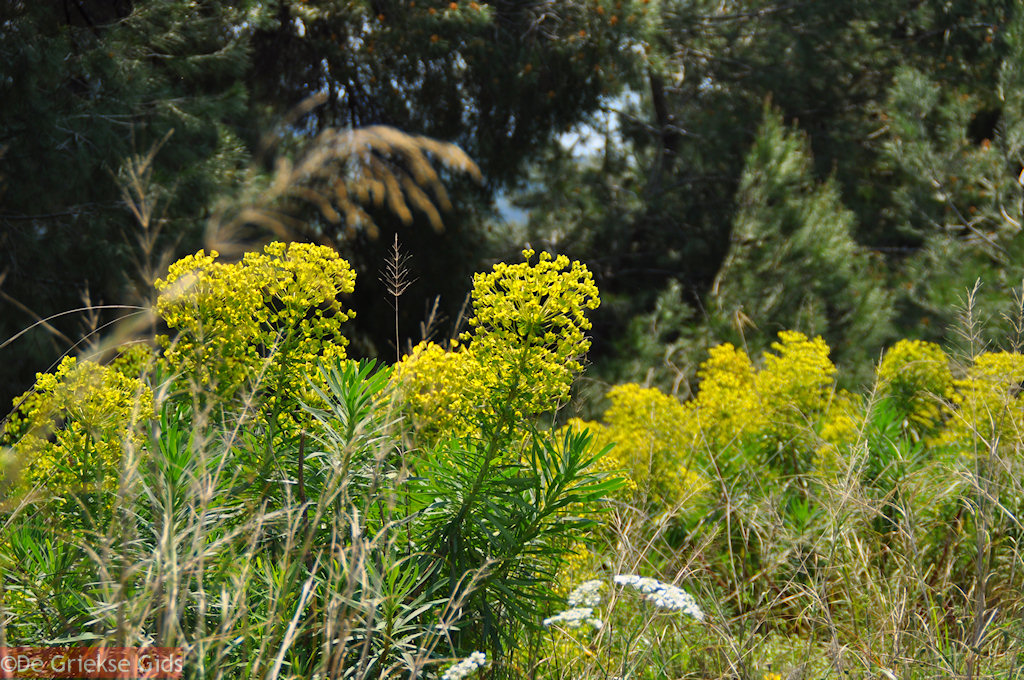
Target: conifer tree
87	87
957	155
792	262
664	206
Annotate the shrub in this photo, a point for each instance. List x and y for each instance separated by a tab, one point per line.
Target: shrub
528	333
263	321
915	376
70	433
768	416
646	430
275	477
987	409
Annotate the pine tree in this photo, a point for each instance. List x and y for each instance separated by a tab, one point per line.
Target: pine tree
792	263
829	69
89	89
957	154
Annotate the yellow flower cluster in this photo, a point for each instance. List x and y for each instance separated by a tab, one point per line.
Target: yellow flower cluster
727	405
987	406
71	430
528	333
799	377
660	443
529	329
775	406
650	437
536	305
269	317
915	376
434	382
841	428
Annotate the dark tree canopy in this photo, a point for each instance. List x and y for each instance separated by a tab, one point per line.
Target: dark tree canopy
908	117
88	86
655	212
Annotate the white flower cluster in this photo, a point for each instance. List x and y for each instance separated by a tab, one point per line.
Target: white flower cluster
466	667
586	594
574	618
662	595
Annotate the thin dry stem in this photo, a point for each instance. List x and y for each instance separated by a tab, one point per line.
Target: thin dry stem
396	279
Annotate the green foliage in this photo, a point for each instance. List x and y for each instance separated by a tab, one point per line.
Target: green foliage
507	524
955	154
665	345
351	413
793	263
45	583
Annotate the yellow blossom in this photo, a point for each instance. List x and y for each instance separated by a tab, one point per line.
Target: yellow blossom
774	410
270	317
527	336
916	378
987	407
71	431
